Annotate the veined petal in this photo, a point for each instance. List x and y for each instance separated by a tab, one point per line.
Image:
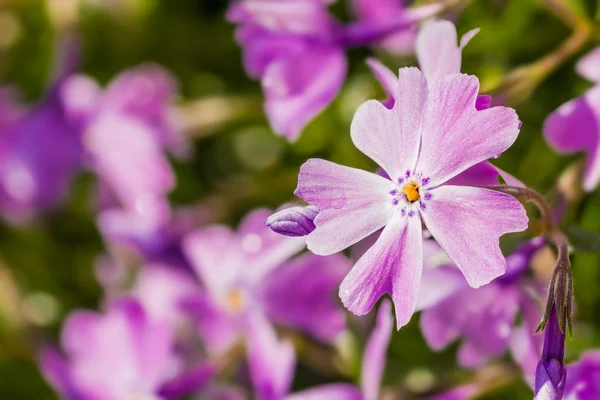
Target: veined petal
299	87
393	265
375	352
335	391
352	204
575	126
455	135
589	66
467	222
391	137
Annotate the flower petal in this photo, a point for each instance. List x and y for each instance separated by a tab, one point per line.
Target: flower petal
219	328
588	66
215	255
391	137
272	362
575	126
352	204
335	391
455	135
393	265
301	294
437	50
386	78
299	87
375	352
467	222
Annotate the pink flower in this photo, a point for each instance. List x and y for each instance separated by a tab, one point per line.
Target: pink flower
575	126
433	133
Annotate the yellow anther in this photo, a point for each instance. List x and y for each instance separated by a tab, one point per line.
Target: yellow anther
235	300
411	191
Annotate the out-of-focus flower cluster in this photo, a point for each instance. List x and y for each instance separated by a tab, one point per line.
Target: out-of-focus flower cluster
194	307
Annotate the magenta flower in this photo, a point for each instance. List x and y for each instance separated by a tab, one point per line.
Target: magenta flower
378	11
575	126
583	377
296	48
120	355
272	363
432	134
40	149
251	270
485	325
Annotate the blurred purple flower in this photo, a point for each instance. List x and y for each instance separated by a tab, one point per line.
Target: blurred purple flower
550	372
583	377
296	49
575	126
40	149
485	324
272	363
251	270
401	43
131	115
122	354
354	204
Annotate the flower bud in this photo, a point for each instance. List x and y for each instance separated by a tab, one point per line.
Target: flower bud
294	221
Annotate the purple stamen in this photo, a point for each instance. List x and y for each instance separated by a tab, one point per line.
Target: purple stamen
400	180
422	205
407	173
427	196
411	213
394	192
403	212
425	181
395	201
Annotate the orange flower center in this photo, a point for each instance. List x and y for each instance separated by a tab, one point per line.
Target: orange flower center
235	300
411	191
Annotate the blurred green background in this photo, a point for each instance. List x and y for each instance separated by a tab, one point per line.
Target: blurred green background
46	269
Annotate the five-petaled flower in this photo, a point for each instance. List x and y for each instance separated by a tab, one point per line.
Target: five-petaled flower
433	133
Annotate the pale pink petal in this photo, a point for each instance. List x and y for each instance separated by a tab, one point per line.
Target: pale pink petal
160	289
352	204
437	284
455	135
335	391
387	79
126	155
437	50
214	253
589	66
393	266
575	126
391	137
272	362
467	222
299	87
374	358
466	38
